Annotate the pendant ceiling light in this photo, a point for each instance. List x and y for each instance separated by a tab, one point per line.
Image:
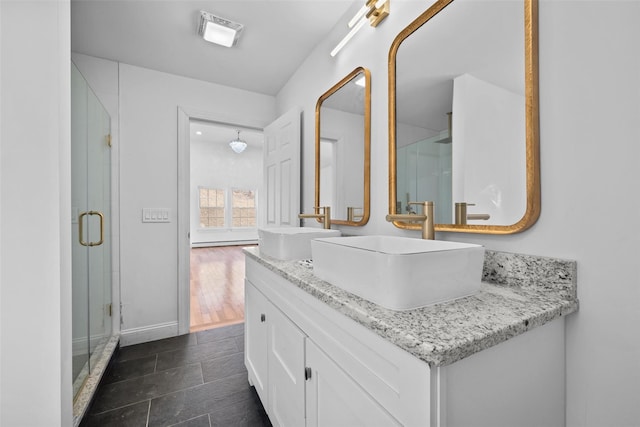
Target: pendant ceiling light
237	144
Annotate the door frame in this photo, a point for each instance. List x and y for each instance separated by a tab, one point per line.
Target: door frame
185	115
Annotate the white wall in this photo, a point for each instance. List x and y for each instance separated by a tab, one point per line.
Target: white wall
347	130
489	119
149	103
590	128
35	214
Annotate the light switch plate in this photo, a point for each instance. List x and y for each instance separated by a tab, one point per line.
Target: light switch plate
155	215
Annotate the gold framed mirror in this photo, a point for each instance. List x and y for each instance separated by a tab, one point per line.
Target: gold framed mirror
463	116
343	149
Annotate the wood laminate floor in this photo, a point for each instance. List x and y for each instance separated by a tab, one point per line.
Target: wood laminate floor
217	287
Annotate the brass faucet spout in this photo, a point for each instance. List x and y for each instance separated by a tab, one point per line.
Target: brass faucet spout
462	216
428	231
325	216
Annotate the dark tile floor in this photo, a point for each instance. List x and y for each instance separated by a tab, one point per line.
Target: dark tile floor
192	380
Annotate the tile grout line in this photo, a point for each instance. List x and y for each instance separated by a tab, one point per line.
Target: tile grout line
160	395
156	371
195	361
148	413
167	394
175	348
208	414
121	407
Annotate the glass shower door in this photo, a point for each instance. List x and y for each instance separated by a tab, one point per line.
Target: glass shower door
98	224
91	213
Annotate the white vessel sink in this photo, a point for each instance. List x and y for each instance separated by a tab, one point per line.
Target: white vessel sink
290	243
399	273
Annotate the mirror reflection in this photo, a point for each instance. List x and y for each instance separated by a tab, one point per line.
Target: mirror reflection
465	125
343	149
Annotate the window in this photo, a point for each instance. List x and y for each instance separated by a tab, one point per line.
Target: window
212	208
213	212
243	204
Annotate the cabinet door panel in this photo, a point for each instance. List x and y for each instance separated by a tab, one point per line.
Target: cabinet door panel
256	336
334	399
286	371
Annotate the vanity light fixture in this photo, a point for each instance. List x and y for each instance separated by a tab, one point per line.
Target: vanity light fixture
373	11
218	30
237	144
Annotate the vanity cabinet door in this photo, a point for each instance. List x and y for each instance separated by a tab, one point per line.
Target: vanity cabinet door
335	399
274	357
256	335
286	371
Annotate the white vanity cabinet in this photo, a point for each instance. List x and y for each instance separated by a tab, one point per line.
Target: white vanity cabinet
298	384
352	374
313	366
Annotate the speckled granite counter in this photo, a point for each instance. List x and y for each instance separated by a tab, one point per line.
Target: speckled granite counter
518	293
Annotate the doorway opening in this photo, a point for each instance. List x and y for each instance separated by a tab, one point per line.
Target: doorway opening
223	201
278	203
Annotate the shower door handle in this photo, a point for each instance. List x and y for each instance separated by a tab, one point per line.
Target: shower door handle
81	231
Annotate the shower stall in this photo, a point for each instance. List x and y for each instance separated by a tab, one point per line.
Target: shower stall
424	173
92	337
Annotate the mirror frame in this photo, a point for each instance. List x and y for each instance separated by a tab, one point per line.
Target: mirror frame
532	211
367	144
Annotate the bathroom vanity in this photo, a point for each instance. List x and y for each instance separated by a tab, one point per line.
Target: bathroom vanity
320	356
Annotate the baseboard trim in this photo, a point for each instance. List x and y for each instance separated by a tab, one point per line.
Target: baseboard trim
148	333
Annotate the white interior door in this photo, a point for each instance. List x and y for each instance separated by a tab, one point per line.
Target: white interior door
281	193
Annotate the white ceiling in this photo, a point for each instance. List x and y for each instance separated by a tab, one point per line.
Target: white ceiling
162	35
218	133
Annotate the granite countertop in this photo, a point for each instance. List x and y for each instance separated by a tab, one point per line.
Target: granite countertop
518	293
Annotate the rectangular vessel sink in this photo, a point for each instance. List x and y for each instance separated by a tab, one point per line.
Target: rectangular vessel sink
290	243
399	273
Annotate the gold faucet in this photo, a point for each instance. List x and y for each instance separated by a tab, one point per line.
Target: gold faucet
428	232
325	216
462	216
